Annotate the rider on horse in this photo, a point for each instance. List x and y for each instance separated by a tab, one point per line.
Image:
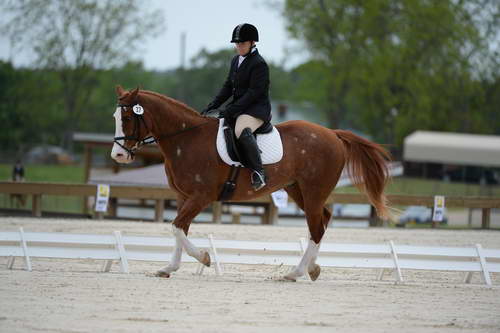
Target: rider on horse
248	84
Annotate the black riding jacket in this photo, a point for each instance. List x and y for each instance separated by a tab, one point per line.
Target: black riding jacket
249	87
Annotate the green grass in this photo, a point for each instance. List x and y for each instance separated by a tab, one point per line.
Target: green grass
47	173
413	186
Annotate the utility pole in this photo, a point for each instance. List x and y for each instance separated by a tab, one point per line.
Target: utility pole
182	90
183	49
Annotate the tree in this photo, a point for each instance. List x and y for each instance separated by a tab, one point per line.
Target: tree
75	38
22	123
391	66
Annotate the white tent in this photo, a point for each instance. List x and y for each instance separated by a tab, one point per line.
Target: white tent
452	148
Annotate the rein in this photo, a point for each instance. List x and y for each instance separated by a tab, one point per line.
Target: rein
138	118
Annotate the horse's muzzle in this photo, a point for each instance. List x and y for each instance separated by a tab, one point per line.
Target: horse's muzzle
120	155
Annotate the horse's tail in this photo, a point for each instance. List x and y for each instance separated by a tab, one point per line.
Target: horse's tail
367	167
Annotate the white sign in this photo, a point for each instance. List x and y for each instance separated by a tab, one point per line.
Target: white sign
102	198
438	208
280	198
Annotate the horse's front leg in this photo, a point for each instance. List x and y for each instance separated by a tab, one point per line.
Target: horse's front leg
181	236
180	227
175	261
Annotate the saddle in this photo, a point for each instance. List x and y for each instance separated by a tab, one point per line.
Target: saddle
232	145
268	141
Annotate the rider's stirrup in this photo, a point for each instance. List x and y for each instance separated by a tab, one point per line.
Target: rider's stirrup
258	180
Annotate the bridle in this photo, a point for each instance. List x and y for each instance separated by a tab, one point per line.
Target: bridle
138	119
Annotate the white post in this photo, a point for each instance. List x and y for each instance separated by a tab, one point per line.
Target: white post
218	269
381	273
27	259
396	262
486	273
200	269
468	277
10	262
107	265
121	251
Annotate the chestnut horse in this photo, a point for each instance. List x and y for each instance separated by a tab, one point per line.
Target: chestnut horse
313	159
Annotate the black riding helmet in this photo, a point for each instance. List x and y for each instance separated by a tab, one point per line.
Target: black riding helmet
245	32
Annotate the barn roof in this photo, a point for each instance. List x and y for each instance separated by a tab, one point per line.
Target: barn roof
452	148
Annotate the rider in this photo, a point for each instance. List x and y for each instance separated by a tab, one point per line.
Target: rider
248	84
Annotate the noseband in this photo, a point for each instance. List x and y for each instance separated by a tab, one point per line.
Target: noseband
138	119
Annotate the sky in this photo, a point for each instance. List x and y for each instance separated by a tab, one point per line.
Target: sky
207	24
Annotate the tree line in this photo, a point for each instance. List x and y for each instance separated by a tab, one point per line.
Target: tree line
385	67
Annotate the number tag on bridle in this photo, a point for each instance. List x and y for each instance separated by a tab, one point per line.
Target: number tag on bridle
138	109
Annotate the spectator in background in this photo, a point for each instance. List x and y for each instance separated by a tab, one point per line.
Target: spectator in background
18	172
19	200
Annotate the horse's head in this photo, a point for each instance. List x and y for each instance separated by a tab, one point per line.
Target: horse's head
131	129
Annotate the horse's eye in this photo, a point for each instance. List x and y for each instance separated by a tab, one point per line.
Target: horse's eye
126	118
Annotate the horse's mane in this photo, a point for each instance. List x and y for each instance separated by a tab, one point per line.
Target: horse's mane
167	99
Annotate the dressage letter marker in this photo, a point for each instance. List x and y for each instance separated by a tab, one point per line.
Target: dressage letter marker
102	198
438	208
280	198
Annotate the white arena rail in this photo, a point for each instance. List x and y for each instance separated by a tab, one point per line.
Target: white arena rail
117	247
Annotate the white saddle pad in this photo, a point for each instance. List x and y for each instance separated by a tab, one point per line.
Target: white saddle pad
270	144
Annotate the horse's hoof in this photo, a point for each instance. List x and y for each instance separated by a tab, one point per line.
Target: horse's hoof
206	259
162	274
314	272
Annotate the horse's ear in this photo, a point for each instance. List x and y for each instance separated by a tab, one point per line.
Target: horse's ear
119	91
133	94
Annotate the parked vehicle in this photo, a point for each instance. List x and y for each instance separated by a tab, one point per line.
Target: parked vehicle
47	154
355	210
418	214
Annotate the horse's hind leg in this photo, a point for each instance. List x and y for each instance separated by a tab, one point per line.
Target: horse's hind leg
317	223
309	258
314	269
310	255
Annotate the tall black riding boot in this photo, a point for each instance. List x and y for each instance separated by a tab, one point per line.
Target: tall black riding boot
251	154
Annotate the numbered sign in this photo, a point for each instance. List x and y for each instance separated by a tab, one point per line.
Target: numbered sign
138	109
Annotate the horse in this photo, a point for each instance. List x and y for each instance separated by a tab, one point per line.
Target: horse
313	159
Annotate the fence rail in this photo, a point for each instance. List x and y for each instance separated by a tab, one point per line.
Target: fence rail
161	193
122	248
